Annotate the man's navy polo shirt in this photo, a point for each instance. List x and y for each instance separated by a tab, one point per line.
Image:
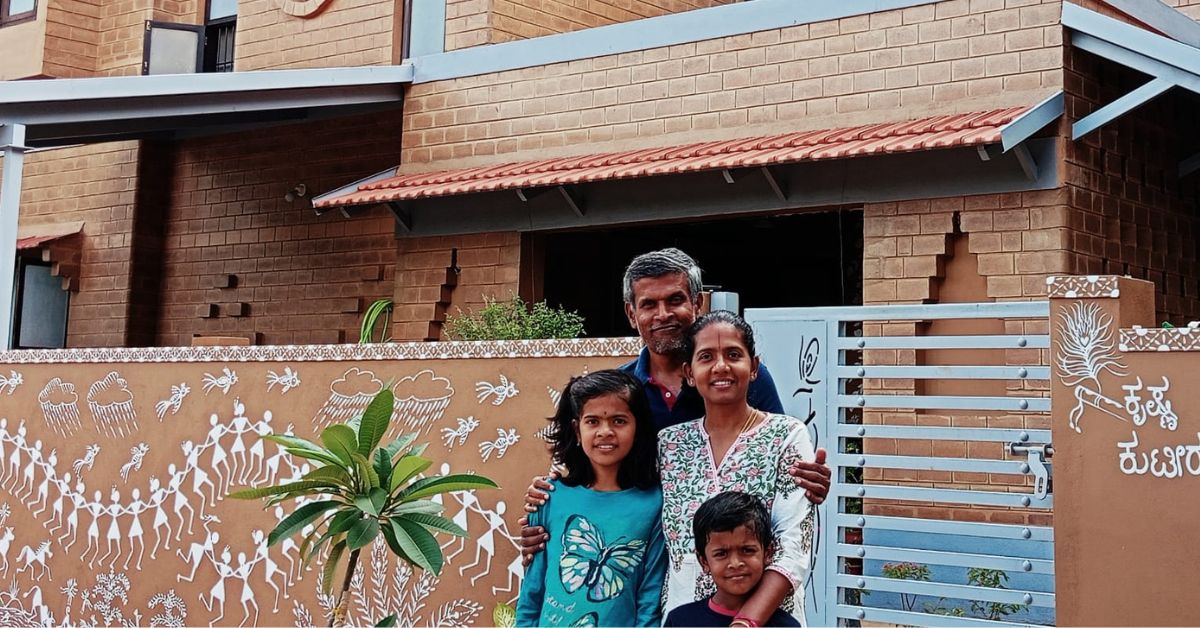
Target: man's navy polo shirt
690	405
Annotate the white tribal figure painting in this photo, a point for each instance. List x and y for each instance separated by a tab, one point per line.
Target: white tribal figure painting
114	481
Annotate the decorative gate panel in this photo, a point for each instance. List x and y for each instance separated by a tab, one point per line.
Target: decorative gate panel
936	418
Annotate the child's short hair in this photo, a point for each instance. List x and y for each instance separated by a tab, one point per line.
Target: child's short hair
727	511
639	468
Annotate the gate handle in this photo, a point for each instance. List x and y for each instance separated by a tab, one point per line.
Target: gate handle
1036	461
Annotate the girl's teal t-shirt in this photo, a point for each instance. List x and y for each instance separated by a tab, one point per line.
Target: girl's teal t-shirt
604	563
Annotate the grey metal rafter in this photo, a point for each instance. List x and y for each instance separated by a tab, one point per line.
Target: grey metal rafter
60	112
1169	63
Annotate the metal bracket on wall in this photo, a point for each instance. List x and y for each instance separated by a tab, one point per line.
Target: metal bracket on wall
776	181
1029	165
402	215
572	199
1035	465
568	195
1189	165
527	194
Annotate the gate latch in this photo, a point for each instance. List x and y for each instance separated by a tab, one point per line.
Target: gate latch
1035	465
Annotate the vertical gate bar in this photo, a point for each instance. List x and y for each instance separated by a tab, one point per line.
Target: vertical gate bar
832	533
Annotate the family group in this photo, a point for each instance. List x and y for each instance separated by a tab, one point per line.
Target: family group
686	496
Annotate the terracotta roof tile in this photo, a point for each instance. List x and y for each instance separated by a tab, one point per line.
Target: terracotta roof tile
965	129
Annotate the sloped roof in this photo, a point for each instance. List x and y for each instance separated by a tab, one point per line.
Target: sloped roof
965	129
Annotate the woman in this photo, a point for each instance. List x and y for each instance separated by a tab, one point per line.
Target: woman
733	447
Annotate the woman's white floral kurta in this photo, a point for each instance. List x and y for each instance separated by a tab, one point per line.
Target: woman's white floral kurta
756	463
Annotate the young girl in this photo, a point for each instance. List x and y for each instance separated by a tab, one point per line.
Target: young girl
734	447
604	562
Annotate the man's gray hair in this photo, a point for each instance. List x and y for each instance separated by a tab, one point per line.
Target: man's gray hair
663	262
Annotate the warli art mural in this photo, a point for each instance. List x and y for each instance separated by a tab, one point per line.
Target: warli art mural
115	468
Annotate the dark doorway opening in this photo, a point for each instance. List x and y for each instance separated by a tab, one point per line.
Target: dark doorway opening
797	260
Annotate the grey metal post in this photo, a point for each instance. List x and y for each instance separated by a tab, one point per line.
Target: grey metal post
12	142
427	33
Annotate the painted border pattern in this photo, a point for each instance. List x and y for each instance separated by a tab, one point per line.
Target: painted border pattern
578	347
1142	339
1083	287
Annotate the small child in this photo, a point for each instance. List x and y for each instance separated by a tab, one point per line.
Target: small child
605	560
733	541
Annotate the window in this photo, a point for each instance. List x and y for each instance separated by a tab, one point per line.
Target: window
220	26
171	48
14	11
174	48
40	307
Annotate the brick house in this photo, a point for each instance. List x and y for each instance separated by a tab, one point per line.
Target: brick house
941	147
439	152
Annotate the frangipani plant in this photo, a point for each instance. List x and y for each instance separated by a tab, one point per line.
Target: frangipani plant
358	491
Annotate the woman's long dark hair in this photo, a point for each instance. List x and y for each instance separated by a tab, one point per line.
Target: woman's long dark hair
639	468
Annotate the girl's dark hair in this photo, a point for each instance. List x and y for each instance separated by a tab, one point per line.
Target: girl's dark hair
712	318
639	468
726	511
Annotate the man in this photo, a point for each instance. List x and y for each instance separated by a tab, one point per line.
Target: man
662	298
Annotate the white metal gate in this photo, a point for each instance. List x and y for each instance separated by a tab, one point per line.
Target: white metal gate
906	568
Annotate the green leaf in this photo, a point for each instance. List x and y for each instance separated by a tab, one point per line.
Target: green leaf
383	467
362	533
504	616
293	487
389	535
409	546
379	498
418	449
394	447
427	549
365	471
293	442
435	523
343	521
331	561
406	468
419	506
375	421
445	484
387	622
308	545
320	456
365	504
340	440
299	518
335	473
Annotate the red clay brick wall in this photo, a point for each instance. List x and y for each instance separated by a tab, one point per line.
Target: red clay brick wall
72	38
467	23
97	185
347	33
947	57
1012	242
122	31
1132	213
303	278
477	22
524	19
1018	239
488	267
